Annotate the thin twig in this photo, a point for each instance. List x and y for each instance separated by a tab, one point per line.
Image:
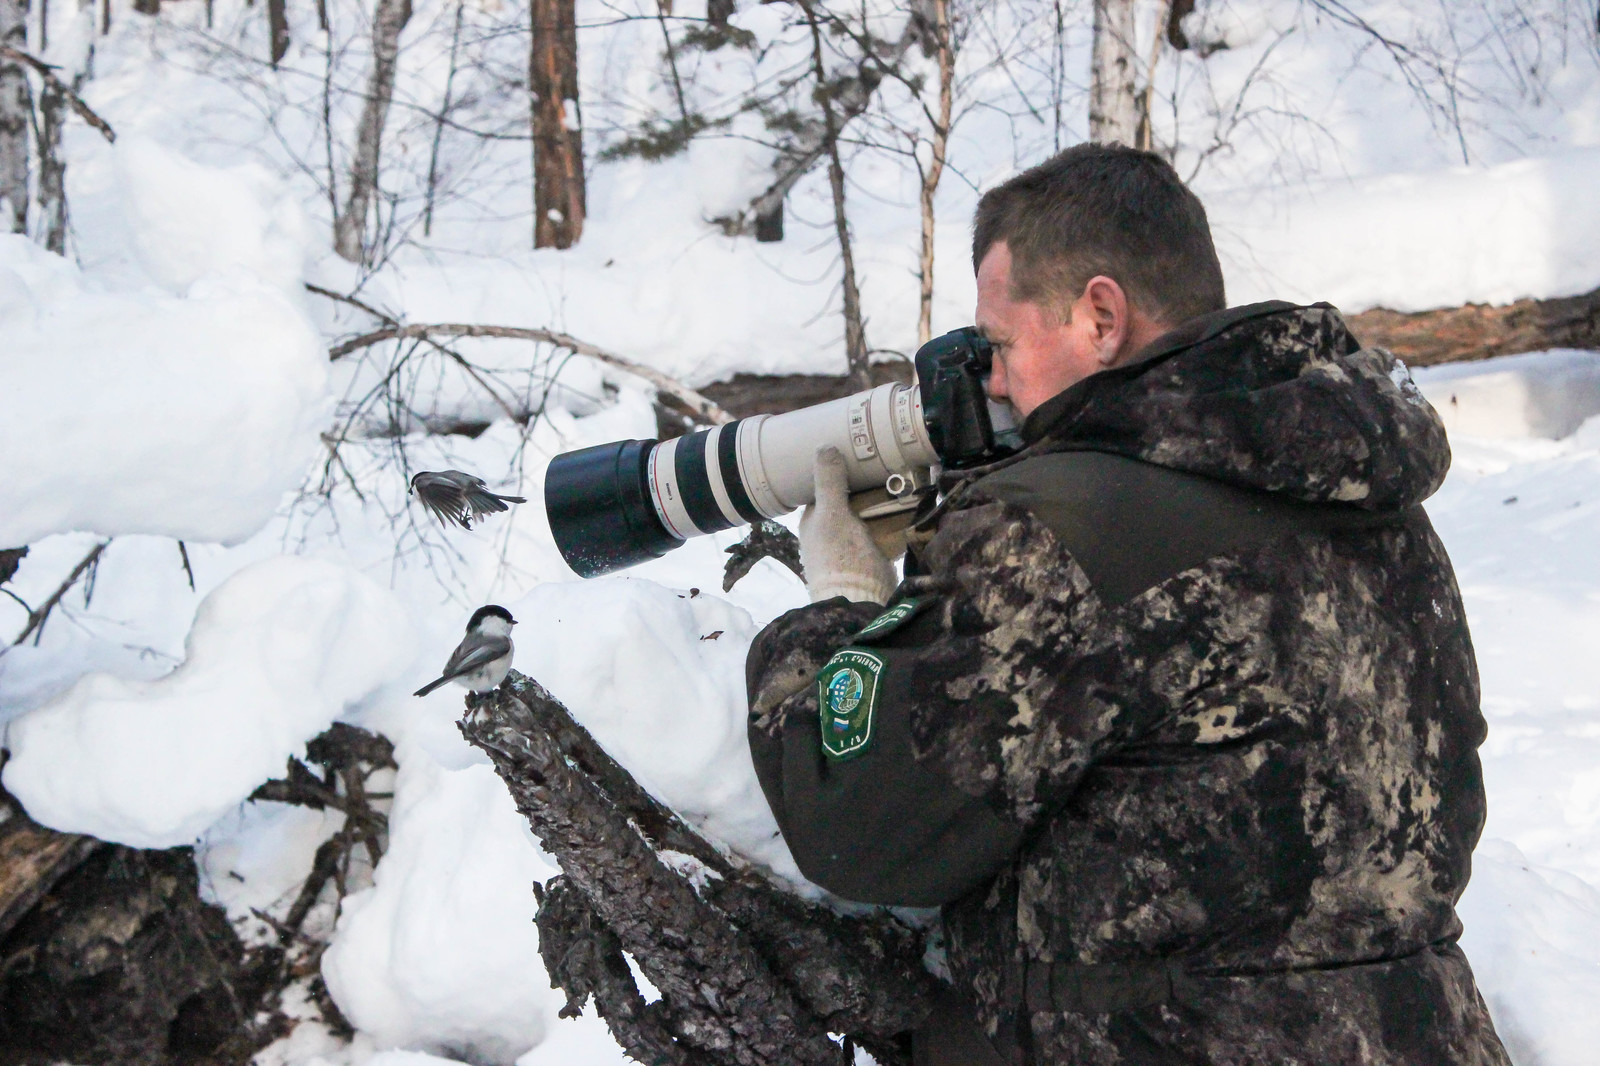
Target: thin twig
36	619
183	553
702	406
47	72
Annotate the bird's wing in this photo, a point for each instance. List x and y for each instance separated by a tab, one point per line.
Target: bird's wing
467	658
443	498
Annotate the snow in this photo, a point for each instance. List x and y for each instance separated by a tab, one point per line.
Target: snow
169	381
441	953
1411	242
277	652
1518	515
657	676
1540	394
174	385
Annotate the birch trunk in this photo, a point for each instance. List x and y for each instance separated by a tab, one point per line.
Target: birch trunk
349	230
52	170
935	170
16	113
559	197
1113	89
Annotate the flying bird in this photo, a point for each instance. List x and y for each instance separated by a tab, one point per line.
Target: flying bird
452	496
483	658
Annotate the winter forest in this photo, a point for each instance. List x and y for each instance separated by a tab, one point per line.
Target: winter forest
265	260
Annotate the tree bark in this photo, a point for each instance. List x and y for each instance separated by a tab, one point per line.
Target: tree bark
16	113
748	974
944	48
1113	86
278	28
32	860
52	169
1480	331
559	197
349	231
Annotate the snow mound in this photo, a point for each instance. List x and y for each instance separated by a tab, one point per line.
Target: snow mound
276	653
657	677
1412	242
176	388
1533	934
1541	394
441	954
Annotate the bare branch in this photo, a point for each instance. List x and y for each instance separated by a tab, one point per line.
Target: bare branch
37	619
700	406
47	72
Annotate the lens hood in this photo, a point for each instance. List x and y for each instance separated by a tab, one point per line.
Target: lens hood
601	514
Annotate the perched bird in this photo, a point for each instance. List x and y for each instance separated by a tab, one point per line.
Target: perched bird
456	497
482	659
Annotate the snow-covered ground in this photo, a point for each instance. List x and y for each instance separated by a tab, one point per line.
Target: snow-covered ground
167	386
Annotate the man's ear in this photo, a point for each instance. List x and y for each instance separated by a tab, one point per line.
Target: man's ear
1106	306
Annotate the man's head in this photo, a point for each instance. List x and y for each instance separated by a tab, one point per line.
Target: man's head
1082	261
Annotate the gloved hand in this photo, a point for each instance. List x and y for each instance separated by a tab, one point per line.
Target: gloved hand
836	549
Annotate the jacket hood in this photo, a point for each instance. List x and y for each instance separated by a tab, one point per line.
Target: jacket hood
1270	396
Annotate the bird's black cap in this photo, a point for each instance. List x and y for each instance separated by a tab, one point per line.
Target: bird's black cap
486	611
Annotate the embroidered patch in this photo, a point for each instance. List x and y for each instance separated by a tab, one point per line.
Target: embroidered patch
892	619
847	695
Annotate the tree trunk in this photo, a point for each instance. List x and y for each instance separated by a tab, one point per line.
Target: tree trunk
559	197
748	974
1113	87
855	332
16	114
278	27
1479	331
935	170
349	230
52	169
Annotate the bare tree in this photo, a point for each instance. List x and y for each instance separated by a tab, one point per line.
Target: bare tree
855	332
349	229
16	114
1114	88
944	49
559	196
438	126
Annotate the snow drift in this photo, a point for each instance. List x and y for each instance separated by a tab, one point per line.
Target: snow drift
276	653
176	386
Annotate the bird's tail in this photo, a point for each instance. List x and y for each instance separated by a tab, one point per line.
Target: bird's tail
484	502
430	686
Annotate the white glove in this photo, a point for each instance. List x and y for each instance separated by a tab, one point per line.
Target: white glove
837	551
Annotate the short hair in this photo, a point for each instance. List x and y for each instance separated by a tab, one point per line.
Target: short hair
1103	209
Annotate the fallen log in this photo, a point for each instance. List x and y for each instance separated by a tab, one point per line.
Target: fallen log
748	973
32	860
1481	331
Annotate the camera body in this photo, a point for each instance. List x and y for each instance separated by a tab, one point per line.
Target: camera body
617	505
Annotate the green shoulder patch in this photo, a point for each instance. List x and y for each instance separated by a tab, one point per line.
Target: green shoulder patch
847	696
893	618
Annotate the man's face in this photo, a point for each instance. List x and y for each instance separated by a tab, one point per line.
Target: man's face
1039	353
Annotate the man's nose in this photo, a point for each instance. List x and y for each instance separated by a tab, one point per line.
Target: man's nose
995	385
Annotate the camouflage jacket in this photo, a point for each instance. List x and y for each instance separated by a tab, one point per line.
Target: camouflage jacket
1178	722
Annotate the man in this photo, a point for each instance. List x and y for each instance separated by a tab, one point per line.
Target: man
1177	719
